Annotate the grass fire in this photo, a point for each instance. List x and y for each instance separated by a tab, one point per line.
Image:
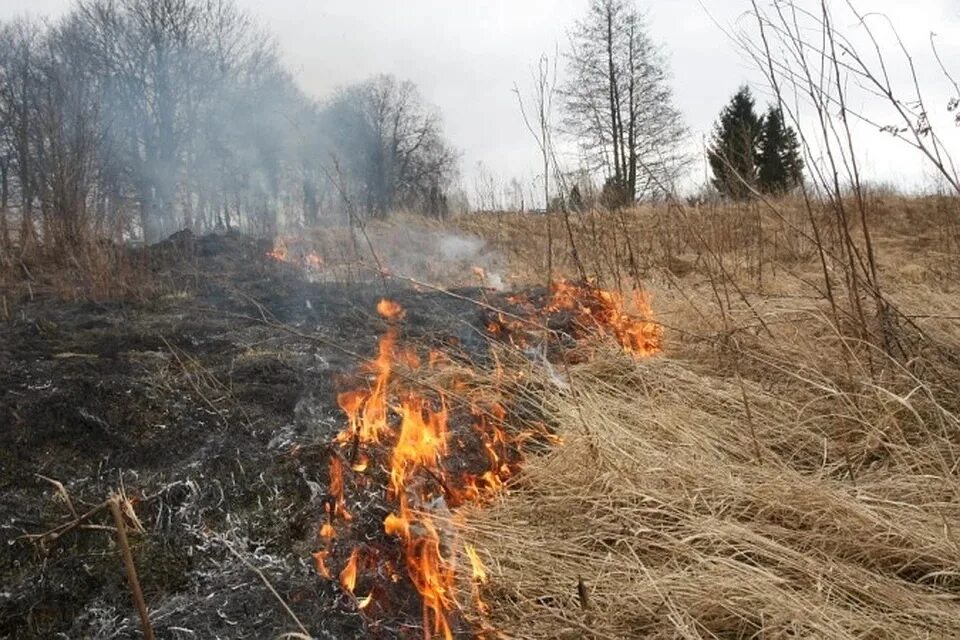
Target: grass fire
363	322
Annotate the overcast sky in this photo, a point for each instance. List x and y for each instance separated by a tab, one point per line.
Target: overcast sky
465	55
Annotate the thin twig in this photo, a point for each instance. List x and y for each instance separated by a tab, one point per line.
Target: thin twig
266	582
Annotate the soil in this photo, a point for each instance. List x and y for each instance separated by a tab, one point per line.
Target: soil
210	407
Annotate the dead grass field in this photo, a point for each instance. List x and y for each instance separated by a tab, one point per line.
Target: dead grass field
773	474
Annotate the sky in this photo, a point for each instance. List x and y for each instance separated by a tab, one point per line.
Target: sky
467	55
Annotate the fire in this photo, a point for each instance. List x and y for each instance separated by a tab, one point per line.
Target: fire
417	433
336	489
320	561
390	310
433	453
479	577
290	250
479	571
421	442
607	311
581	310
366	409
348	577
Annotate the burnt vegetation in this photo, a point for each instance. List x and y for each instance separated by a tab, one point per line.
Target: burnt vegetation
264	374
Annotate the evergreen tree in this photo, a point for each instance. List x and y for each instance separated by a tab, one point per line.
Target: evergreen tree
733	153
781	167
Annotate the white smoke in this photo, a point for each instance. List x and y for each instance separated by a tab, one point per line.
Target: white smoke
440	257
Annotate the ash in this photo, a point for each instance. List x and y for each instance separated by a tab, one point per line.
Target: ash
211	407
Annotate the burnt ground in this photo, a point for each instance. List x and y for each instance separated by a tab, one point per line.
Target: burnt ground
192	402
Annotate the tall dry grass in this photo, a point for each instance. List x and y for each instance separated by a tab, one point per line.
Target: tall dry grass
776	472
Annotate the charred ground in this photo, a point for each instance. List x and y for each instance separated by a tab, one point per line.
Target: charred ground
192	401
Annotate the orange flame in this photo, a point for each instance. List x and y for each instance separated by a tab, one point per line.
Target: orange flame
390	310
348	577
336	488
587	310
479	571
417	428
279	252
479	577
422	440
282	252
366	409
606	311
320	561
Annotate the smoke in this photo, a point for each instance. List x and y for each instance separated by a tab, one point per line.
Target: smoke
457	247
440	257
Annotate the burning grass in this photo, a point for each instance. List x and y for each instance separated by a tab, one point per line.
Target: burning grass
438	448
737	489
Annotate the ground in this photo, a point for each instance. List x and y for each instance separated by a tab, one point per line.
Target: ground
193	402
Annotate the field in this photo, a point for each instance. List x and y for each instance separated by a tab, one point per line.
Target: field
786	467
775	473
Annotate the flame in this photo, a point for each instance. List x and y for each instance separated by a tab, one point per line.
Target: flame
413	438
290	249
336	488
320	561
279	252
348	577
479	577
361	464
606	311
366	409
479	571
584	309
421	442
390	310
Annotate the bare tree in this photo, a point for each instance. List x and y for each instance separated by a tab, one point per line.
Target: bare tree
619	105
391	146
19	88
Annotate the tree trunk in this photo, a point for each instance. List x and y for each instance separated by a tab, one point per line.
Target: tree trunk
631	187
4	201
612	81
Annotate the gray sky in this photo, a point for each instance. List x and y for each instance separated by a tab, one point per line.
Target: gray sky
466	55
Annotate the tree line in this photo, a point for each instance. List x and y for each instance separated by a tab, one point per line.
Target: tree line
136	118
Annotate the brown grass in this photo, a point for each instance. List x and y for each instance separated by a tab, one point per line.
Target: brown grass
773	474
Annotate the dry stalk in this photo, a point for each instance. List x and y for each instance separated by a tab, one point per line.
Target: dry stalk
131	569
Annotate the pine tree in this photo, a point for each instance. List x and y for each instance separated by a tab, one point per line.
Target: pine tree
733	153
781	167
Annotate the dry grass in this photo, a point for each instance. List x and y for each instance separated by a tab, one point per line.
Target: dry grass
89	270
769	475
820	512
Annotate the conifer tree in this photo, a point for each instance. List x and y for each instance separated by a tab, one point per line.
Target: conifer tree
781	167
734	151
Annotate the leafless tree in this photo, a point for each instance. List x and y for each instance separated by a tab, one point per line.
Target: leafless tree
619	105
19	88
390	145
137	118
